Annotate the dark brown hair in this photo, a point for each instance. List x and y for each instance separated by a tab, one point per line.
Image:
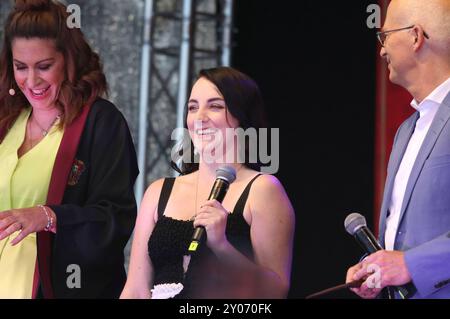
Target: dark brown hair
243	100
84	80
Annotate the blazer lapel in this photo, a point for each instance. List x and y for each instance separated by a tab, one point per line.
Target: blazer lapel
394	163
441	118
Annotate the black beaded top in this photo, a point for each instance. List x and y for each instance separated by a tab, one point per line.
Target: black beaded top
171	237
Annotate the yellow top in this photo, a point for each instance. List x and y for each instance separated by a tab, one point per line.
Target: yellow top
24	183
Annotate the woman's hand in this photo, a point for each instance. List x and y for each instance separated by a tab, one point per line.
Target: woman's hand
213	217
27	220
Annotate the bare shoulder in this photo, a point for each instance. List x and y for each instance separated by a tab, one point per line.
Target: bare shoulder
268	195
268	185
154	189
150	200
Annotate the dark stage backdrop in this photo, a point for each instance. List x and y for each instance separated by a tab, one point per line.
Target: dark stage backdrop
315	62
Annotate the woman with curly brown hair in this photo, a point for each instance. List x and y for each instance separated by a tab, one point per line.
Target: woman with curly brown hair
67	163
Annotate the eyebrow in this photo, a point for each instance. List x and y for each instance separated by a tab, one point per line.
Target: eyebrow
209	101
45	60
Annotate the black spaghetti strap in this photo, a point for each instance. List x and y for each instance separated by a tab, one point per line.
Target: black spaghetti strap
165	194
240	204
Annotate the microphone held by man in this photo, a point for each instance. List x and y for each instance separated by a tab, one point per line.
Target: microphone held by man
370	268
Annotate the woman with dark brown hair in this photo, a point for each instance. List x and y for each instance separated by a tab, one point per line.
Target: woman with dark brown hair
67	163
246	251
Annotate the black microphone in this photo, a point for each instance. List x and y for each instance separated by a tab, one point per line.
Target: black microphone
355	224
225	175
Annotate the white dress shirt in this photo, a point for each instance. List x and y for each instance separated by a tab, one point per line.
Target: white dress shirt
427	109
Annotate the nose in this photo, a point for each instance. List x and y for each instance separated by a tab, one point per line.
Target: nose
383	52
202	114
32	79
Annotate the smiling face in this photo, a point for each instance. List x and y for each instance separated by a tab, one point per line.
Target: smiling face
207	117
38	70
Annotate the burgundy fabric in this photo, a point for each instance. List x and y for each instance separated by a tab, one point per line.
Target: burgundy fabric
63	164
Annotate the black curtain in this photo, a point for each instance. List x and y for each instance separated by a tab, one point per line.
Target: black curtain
315	64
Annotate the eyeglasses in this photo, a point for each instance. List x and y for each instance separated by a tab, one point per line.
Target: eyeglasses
382	35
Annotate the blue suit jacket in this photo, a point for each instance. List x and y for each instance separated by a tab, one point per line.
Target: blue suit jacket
424	226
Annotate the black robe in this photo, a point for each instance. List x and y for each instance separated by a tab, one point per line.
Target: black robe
91	193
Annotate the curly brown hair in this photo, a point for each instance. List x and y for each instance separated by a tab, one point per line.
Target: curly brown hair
84	80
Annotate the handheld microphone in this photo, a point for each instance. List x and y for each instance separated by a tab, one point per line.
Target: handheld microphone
355	224
225	175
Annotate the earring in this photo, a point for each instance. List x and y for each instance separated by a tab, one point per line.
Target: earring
12	92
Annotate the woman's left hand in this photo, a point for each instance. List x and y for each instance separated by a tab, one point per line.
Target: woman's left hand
28	220
213	217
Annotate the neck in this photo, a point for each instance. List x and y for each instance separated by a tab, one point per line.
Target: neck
427	81
45	117
208	171
230	154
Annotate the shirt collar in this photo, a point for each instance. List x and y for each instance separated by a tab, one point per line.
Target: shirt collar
437	96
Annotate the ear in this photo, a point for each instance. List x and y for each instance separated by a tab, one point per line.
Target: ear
419	37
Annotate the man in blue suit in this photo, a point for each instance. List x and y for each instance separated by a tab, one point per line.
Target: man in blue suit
415	214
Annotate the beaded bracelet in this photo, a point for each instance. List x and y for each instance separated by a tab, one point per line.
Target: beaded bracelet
49	218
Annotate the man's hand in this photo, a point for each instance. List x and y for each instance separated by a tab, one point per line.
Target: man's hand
381	269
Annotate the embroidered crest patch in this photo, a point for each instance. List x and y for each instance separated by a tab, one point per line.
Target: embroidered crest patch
78	168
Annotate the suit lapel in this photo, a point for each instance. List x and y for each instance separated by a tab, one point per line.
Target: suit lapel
440	120
394	163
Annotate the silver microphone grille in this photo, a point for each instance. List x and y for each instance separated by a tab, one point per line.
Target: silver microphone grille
227	173
353	222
